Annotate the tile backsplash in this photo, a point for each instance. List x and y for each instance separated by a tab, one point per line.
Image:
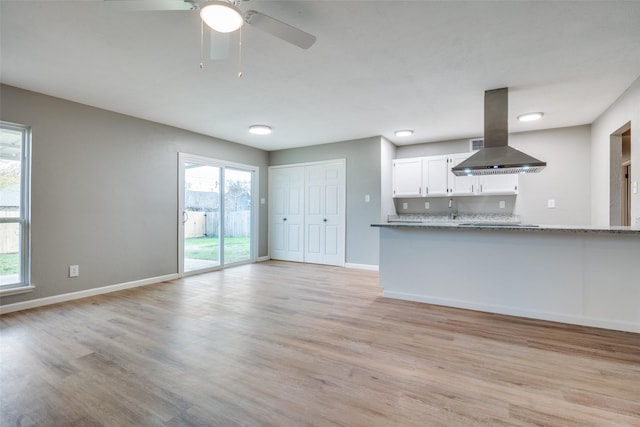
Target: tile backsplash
466	205
471	218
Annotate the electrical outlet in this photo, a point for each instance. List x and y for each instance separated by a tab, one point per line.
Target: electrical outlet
367	199
427	205
635	187
262	201
501	204
551	203
405	205
74	270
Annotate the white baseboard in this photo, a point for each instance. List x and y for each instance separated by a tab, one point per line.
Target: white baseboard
515	311
39	302
263	258
361	266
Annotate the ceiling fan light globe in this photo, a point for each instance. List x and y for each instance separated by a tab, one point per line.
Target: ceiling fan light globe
221	16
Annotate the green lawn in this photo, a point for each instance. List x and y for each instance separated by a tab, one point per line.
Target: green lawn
206	248
9	263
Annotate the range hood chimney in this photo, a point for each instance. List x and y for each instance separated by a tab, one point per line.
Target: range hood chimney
497	157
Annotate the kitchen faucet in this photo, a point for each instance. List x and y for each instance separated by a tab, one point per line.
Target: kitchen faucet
453	214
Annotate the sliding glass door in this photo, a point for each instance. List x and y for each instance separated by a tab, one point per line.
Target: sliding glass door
237	215
201	216
216	213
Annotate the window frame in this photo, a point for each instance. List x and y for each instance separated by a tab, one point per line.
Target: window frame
24	219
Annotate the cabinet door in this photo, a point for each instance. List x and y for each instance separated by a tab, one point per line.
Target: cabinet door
498	184
435	175
407	177
460	185
286	213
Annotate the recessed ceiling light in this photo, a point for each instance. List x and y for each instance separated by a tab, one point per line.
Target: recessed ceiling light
260	129
405	132
529	117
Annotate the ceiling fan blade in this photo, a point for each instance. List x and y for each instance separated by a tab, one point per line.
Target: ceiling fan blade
219	45
279	29
144	5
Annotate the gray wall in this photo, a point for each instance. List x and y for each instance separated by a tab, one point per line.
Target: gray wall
363	177
625	109
387	154
97	175
566	179
105	193
433	148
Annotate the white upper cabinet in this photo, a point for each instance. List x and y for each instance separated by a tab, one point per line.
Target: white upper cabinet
407	177
460	185
434	176
498	184
420	177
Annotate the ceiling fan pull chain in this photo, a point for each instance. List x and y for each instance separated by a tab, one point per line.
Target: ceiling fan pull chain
201	44
240	55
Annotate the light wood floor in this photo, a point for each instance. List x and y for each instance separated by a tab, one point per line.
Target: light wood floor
289	344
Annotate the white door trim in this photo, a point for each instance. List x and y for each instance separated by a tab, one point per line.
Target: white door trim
223	164
343	163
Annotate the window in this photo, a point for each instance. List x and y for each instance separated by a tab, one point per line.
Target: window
15	159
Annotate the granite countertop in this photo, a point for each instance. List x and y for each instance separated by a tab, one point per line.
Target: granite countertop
459	218
494	222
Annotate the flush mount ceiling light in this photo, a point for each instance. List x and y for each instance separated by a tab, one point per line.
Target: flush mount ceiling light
260	129
221	15
529	117
405	132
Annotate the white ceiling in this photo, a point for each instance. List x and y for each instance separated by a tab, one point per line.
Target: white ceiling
377	66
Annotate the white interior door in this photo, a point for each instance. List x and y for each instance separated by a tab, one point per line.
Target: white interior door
314	214
325	214
286	213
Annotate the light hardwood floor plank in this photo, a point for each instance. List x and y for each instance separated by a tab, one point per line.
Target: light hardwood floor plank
289	344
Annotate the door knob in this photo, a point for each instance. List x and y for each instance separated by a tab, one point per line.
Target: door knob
284	219
325	220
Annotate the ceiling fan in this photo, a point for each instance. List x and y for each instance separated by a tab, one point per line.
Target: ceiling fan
225	16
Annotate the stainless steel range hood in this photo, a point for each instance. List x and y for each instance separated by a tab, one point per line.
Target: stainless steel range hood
497	157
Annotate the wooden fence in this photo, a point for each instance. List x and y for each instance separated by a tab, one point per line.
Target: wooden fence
201	224
9	232
9	238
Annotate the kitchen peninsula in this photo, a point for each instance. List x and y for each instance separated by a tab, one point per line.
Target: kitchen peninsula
581	275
